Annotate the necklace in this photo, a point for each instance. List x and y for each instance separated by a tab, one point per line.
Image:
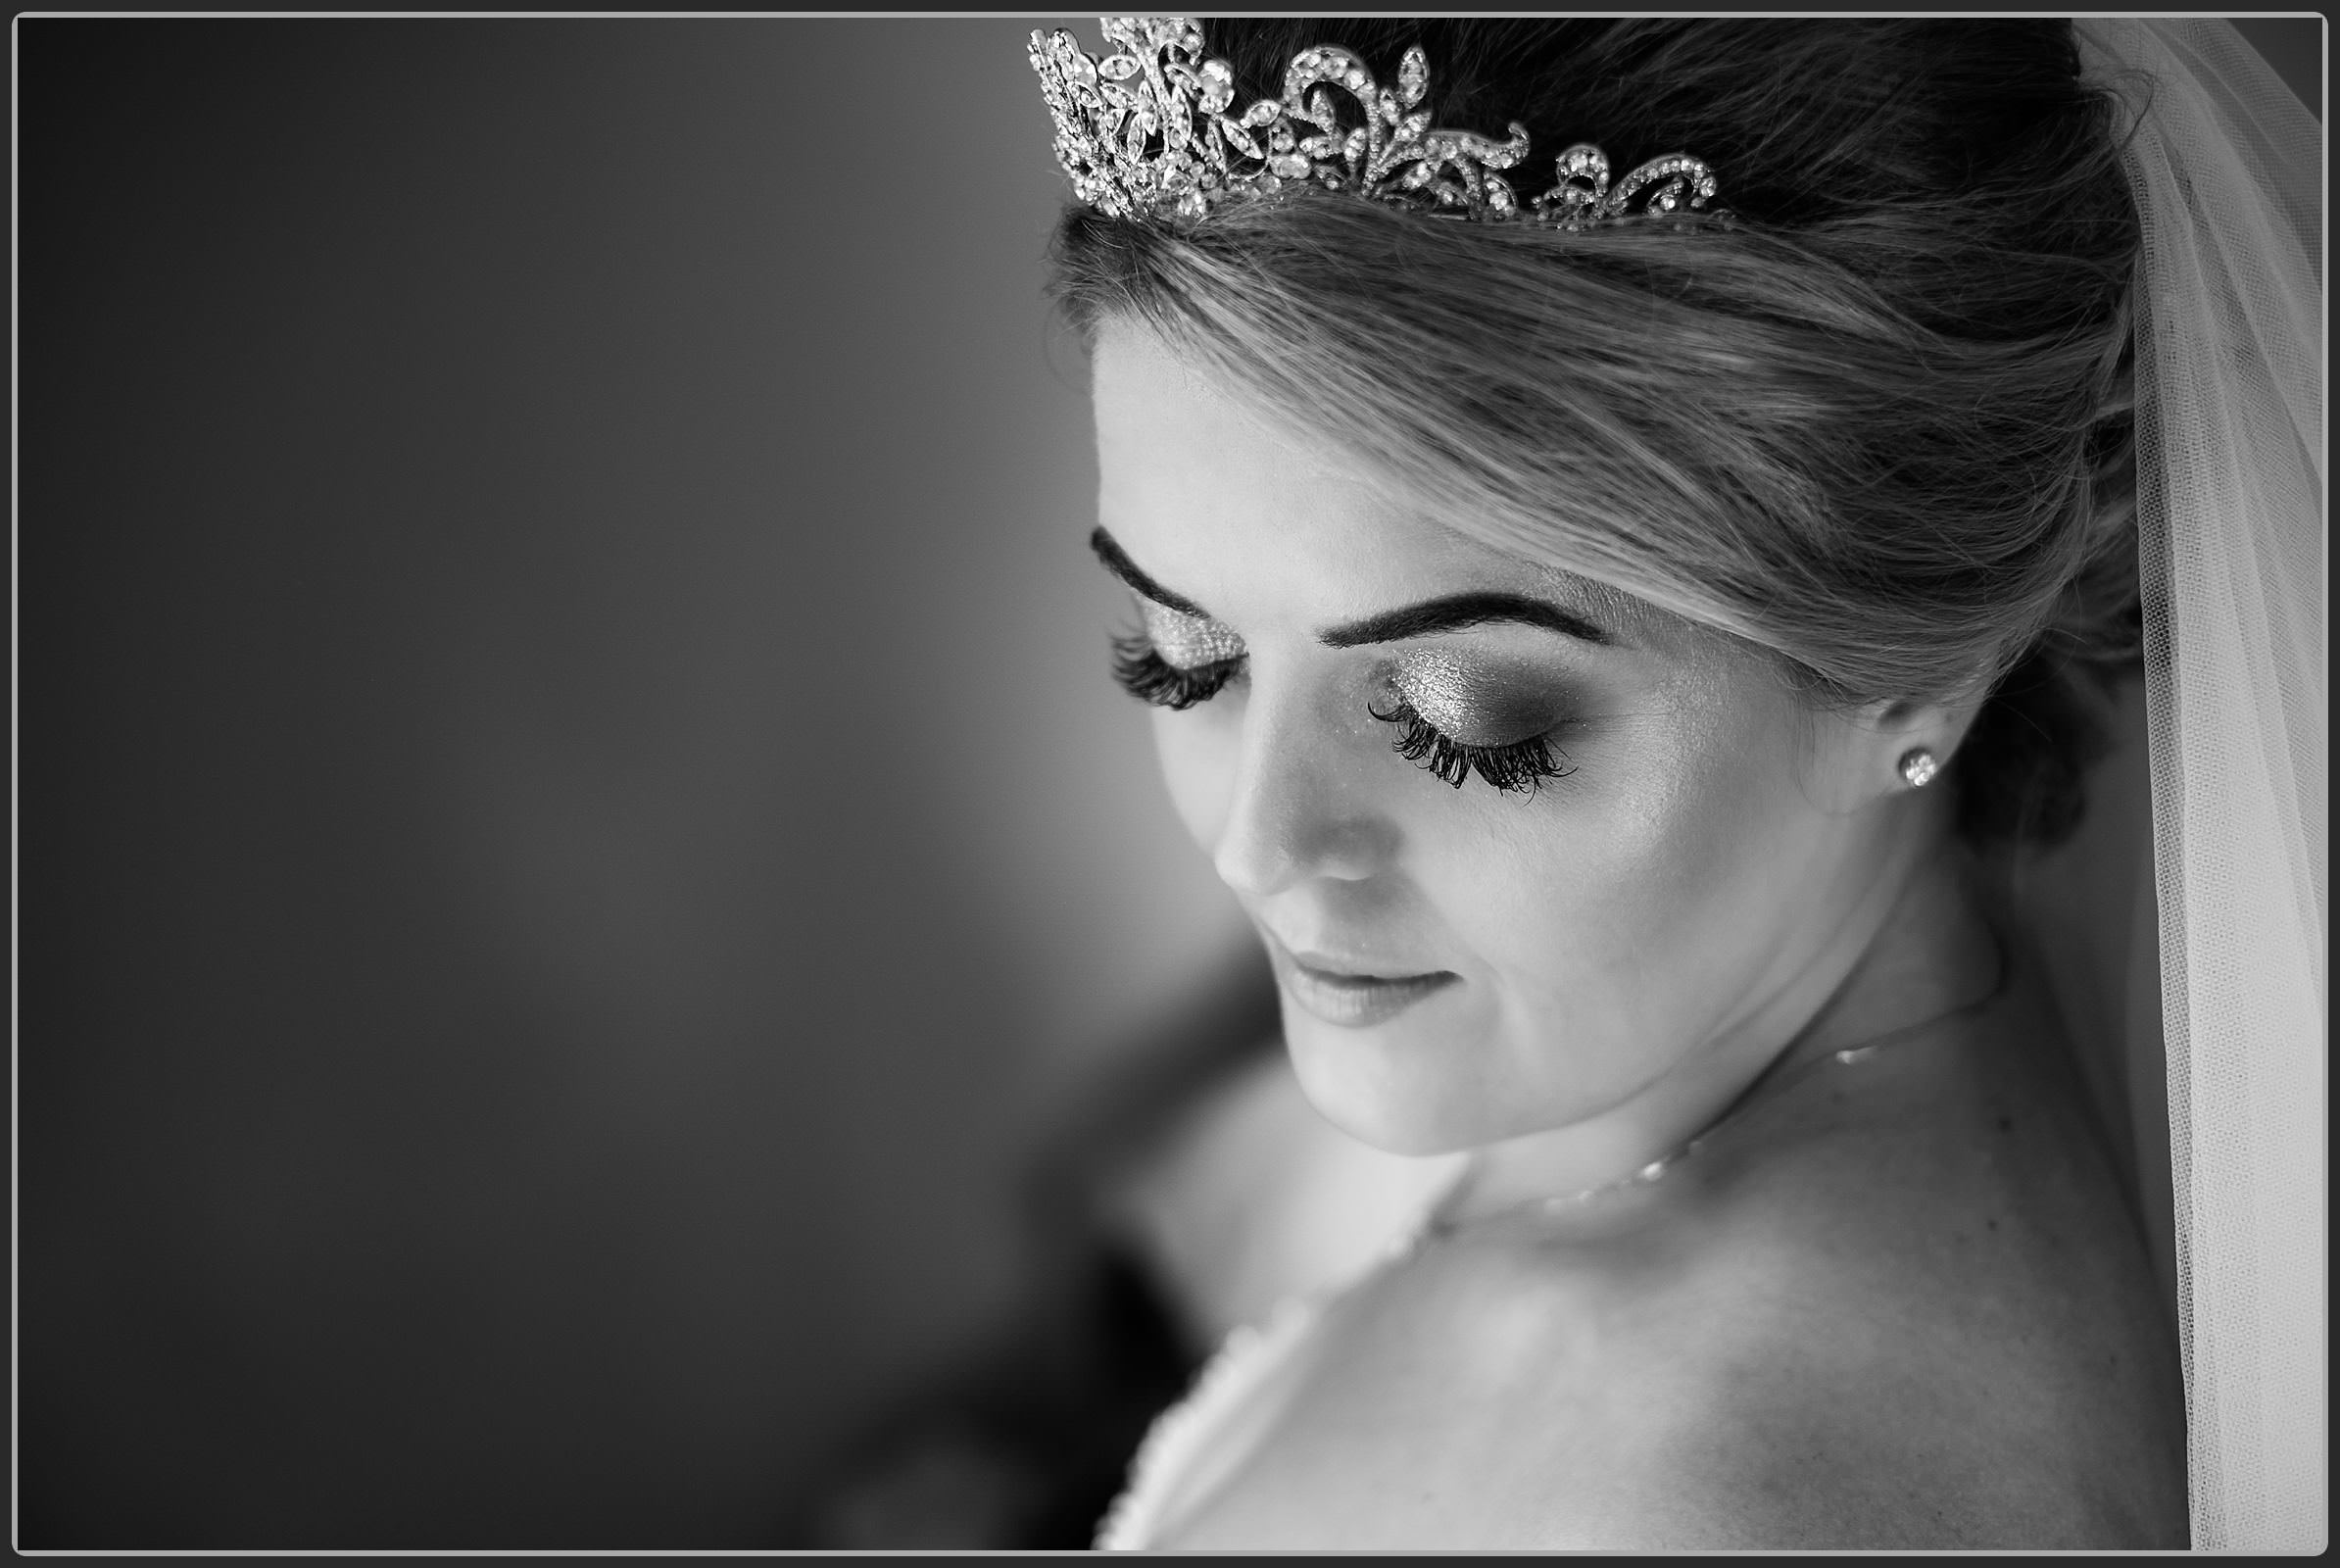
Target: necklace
1440	1221
1251	1351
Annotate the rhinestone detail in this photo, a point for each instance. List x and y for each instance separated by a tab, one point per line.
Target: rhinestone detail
1147	131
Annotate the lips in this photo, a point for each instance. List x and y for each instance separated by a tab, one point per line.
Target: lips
1347	993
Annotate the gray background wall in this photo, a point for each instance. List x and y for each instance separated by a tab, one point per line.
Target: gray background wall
573	831
574	826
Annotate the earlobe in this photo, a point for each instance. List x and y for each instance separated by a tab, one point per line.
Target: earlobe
1892	747
1921	737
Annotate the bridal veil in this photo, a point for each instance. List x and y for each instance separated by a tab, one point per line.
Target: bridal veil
2213	988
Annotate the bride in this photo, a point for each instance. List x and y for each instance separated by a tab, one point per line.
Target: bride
1653	658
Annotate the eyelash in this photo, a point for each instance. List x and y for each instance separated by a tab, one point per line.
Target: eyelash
1519	768
1151	678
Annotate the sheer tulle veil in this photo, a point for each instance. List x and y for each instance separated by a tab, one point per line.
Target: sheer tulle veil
2207	995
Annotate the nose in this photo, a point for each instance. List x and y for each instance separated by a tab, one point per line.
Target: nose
1297	808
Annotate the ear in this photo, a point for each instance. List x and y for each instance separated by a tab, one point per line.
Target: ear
1888	747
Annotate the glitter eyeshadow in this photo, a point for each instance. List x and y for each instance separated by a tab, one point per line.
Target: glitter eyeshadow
1187	642
1467	701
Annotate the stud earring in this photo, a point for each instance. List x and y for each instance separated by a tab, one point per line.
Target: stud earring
1918	767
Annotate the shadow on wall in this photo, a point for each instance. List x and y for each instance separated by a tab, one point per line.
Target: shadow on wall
574	831
575	817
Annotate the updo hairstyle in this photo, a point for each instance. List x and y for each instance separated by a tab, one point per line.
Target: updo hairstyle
1875	419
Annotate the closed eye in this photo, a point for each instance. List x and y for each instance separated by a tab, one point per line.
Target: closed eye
1147	675
1518	769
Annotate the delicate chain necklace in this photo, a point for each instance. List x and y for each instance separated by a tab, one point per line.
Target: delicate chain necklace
1177	1433
1440	1221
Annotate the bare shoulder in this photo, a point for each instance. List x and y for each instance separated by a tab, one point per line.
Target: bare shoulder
1929	1325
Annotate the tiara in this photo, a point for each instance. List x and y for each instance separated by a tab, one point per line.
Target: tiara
1149	131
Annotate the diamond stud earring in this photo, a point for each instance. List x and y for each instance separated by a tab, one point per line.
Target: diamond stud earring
1918	767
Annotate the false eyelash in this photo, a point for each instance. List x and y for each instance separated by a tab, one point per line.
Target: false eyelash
1151	678
1518	769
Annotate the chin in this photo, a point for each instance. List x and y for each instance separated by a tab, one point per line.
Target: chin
1395	1086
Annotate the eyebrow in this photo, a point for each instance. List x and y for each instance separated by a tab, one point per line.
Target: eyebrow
1458	611
1453	613
1118	563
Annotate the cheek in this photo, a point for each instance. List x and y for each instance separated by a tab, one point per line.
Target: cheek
1631	881
1198	752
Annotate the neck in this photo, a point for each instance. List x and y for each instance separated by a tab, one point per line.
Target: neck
1920	948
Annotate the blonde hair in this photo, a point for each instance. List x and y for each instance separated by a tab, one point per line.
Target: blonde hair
1875	421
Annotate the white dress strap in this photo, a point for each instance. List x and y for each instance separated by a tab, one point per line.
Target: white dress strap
1179	1441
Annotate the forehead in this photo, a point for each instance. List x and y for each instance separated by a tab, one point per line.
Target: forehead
1220	499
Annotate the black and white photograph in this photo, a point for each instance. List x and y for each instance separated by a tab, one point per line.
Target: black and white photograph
1003	784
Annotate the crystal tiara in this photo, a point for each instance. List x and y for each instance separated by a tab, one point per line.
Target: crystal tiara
1147	132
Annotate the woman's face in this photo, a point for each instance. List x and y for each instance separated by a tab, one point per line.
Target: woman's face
1678	870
